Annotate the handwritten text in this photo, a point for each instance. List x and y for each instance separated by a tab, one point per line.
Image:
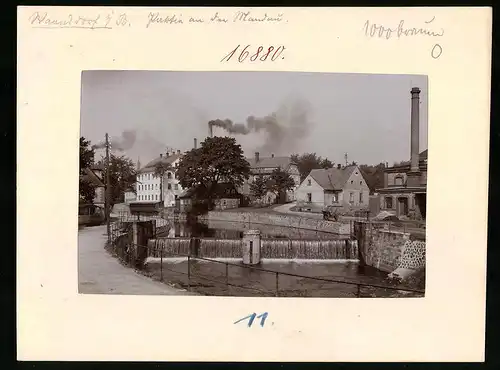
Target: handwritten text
380	31
251	318
100	21
271	53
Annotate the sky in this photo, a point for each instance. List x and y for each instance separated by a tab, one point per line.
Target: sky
366	116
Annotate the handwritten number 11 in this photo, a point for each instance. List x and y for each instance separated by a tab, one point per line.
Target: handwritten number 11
252	317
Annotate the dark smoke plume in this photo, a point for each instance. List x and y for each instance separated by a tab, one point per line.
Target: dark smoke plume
285	128
125	142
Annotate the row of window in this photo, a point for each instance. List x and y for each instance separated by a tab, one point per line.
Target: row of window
150	187
335	197
151	176
352	182
389	202
148	197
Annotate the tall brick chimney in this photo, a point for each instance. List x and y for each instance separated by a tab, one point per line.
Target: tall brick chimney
256	157
195	143
415	123
414	174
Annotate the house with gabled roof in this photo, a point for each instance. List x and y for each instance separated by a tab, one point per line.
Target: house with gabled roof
264	166
343	187
94	175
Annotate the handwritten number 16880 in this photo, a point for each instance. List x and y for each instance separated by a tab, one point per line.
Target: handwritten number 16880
260	54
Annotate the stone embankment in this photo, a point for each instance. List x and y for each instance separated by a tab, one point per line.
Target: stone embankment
292	221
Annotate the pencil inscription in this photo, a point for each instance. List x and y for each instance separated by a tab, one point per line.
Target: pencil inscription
374	30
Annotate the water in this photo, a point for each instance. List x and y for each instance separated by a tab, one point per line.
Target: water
209	278
235	230
222	240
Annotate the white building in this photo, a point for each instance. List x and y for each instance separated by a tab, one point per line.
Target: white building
335	187
148	185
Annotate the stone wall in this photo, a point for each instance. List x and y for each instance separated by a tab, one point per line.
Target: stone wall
388	250
280	220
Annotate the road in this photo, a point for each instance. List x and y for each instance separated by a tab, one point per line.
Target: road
101	273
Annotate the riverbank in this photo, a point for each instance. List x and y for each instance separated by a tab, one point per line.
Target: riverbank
277	219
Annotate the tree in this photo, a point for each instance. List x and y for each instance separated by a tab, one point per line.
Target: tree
86	188
258	188
374	175
122	177
280	182
219	159
310	161
160	170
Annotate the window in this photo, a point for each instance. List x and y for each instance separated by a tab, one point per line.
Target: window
351	197
352	182
309	182
361	197
361	183
388	202
169	175
156	196
335	198
356	173
398	180
176	187
309	197
169	186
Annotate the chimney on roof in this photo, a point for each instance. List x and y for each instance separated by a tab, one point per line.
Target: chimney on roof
168	154
256	157
210	130
339	166
195	143
178	151
272	155
161	155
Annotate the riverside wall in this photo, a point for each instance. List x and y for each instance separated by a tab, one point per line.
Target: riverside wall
388	250
291	221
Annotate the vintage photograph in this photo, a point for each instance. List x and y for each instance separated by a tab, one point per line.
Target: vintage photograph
252	184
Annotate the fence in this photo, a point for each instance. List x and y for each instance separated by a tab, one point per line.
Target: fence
226	281
415	228
122	245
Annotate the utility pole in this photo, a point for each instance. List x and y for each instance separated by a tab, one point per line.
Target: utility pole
108	191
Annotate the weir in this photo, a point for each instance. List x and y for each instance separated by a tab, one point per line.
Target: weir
344	249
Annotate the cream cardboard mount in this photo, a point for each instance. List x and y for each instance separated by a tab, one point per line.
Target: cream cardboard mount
55	44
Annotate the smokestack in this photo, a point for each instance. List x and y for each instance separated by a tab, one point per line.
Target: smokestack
195	143
415	123
256	157
210	133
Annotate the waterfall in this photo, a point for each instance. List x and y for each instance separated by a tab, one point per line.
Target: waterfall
172	247
220	248
309	249
342	249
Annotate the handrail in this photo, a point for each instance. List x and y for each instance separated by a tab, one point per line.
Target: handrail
296	275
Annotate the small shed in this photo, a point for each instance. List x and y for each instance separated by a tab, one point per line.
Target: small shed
145	208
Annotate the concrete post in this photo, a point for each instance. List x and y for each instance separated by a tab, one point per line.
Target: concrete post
251	247
135	241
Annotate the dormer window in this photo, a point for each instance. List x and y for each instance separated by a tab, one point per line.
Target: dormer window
309	182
